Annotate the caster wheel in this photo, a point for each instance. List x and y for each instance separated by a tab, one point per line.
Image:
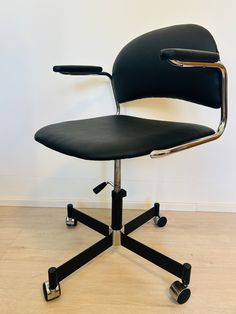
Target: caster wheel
160	221
71	222
51	294
180	292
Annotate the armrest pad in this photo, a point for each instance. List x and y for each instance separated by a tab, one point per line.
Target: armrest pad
189	55
77	69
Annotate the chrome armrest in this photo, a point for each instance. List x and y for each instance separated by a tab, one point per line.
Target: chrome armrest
224	109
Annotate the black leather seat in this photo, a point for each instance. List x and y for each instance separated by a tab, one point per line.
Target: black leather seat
117	136
179	62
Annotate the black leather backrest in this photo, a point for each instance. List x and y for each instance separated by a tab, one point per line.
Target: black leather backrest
139	72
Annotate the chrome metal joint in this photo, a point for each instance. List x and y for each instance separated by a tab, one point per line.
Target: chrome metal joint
70	222
110	183
52	293
116	237
224	109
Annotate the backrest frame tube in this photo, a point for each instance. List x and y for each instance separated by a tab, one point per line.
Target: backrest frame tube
224	109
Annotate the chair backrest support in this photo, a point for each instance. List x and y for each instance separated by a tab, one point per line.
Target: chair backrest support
140	72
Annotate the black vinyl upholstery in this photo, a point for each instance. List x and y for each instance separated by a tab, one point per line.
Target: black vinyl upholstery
141	70
117	136
77	69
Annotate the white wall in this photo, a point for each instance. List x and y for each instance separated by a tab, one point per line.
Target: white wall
37	34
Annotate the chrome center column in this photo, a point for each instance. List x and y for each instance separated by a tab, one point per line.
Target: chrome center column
117	204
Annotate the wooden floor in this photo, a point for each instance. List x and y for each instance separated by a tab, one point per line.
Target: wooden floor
118	281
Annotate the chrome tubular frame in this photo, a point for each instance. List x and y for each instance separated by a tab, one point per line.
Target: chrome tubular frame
224	110
117	163
114	94
117	175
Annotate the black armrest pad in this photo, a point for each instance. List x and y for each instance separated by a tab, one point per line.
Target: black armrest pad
77	69
189	55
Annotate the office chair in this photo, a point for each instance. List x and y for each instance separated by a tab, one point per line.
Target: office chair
180	62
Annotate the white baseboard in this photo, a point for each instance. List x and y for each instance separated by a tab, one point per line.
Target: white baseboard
208	207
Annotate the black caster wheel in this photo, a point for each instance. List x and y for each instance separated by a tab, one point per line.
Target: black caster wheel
71	222
179	292
160	221
51	294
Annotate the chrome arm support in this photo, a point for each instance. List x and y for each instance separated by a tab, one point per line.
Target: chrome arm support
117	103
224	110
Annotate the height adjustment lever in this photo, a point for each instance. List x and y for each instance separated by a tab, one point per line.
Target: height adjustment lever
101	186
